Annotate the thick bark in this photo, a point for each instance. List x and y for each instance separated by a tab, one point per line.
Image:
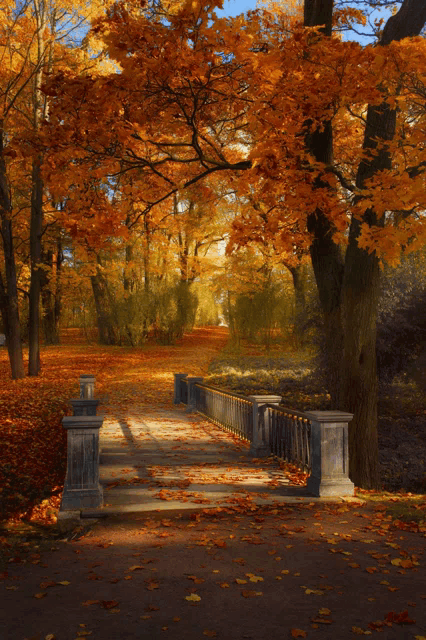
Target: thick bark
408	21
9	294
298	276
326	255
350	308
319	13
50	296
103	314
36	230
128	285
358	373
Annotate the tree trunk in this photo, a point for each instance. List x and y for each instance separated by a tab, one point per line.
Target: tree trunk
105	325
128	285
50	299
9	292
349	295
35	253
58	287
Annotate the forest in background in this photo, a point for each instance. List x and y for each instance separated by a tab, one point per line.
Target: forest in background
161	168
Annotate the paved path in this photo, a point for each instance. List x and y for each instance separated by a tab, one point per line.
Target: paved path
163	459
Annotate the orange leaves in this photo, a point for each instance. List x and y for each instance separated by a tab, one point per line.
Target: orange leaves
399	618
251	594
109	604
298	633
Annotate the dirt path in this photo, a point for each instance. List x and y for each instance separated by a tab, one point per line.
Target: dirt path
258	573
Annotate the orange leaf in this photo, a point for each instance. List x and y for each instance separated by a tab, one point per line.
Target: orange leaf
298	633
109	604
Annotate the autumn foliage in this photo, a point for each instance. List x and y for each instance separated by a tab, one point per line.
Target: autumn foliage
168	131
33	455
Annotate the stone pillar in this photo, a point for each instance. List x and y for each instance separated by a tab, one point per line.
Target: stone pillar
176	392
87	385
330	454
84	406
192	381
260	447
82	488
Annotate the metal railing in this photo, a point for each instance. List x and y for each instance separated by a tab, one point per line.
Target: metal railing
289	435
230	410
316	441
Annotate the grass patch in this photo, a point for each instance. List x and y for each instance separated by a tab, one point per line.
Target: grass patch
405	507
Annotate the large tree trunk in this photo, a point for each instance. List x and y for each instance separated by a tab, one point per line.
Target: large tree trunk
326	256
36	230
350	304
9	291
360	297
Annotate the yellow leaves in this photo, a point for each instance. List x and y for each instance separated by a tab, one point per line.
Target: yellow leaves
317	592
406	563
251	594
360	632
240	581
47	583
254	578
193	598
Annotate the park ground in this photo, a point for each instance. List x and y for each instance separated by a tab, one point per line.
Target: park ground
314	570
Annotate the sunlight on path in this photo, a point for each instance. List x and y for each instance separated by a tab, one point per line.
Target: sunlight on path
158	459
155	456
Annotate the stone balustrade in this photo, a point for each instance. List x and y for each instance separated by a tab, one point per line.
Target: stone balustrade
326	441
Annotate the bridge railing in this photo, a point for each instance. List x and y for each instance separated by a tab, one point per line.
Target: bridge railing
230	410
316	441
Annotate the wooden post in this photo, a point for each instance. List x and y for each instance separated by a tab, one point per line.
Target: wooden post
82	488
260	447
330	454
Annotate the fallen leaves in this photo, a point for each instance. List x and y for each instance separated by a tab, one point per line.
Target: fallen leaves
254	578
193	598
108	604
